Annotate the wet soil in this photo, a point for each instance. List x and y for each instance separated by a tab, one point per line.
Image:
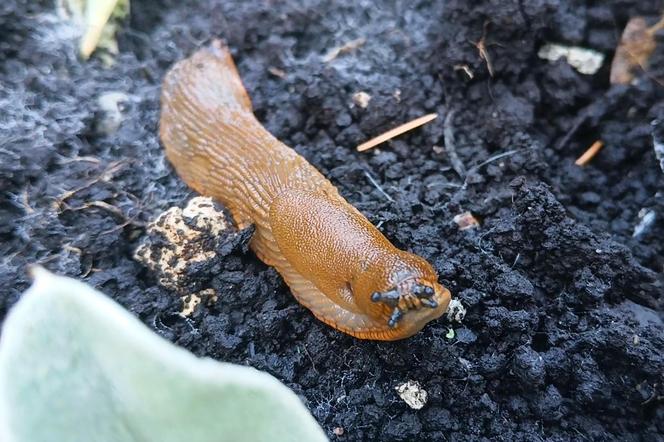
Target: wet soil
563	337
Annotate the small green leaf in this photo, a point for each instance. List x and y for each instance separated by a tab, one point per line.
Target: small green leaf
76	367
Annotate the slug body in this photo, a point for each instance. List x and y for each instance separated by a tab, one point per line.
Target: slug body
336	263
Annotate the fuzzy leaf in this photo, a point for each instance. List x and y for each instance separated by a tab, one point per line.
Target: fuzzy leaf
77	367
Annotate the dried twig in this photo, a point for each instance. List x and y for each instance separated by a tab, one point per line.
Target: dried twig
343	49
590	153
466	69
112	209
25	202
276	72
396	132
101	205
450	146
481	48
106	175
591	114
377	186
647	218
87	159
494	158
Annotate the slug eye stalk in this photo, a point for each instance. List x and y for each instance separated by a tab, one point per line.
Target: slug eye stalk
405	297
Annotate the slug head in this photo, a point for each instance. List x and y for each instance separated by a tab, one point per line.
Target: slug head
403	292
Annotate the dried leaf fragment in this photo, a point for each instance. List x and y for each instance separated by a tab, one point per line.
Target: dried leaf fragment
634	50
586	61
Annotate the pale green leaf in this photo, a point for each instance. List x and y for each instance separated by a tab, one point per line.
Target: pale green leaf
77	367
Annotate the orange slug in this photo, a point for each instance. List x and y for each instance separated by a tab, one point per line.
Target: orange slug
336	263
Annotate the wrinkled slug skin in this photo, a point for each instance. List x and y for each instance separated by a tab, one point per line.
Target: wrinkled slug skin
332	258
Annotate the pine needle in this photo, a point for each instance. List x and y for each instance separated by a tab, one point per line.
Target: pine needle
417	122
590	153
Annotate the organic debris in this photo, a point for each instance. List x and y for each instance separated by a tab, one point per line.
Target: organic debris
590	153
190	302
361	99
465	69
456	311
98	21
396	132
277	72
344	49
413	394
481	48
466	221
634	50
586	61
378	187
450	146
179	238
647	218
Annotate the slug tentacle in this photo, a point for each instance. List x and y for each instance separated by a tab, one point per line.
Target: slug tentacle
336	263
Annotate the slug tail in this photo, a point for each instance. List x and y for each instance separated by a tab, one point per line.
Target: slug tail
211	80
212	137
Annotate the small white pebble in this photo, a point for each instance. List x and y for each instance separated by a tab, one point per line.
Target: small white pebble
456	311
466	221
110	105
412	394
361	99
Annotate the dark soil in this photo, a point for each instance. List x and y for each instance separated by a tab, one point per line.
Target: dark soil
563	339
